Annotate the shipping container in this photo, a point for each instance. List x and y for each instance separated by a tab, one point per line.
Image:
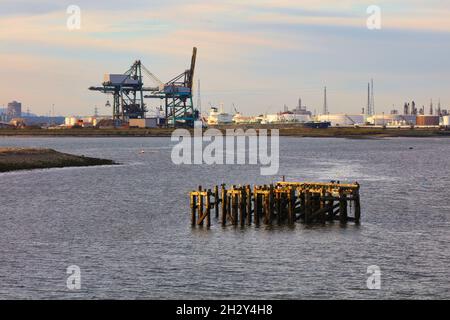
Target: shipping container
427	120
180	90
119	79
143	123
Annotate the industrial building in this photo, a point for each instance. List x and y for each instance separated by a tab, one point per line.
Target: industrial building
445	121
98	121
388	120
392	119
84	122
299	114
286	117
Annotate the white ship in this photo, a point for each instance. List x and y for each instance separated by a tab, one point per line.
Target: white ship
238	118
219	117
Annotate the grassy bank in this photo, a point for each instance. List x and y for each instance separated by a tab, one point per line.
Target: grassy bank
29	158
285	130
364	132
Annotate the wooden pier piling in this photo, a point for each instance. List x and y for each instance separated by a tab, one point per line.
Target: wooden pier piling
256	205
242	207
283	202
249	205
208	208
193	207
291	206
224	205
200	206
216	201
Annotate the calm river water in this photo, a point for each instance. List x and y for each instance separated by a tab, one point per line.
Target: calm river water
128	227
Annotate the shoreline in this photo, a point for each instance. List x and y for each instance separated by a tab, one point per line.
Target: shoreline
14	159
284	130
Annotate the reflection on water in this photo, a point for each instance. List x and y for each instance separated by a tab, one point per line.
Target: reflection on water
127	226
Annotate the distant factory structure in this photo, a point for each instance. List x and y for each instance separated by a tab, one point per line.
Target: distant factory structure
411	115
12	115
177	109
11	111
98	121
299	114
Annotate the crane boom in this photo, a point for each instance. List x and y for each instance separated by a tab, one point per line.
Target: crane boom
192	69
153	77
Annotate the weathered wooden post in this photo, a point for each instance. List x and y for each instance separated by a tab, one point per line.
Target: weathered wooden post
291	206
267	208
308	206
242	205
256	206
216	200
260	204
230	206
357	208
316	202
208	208
330	207
234	197
224	205
249	205
271	203
278	205
200	204
322	215
342	207
193	208
302	203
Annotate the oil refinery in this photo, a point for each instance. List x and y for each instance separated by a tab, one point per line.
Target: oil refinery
130	95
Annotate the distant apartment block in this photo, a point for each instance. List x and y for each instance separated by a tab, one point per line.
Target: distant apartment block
14	109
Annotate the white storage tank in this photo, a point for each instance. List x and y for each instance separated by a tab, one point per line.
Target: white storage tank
445	121
302	117
392	119
342	119
383	119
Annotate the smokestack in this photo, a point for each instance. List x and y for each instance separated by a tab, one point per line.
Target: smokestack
372	109
325	106
368	99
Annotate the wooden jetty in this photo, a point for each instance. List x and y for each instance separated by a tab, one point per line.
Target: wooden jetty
281	203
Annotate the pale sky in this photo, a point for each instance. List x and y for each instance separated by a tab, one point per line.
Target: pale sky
258	54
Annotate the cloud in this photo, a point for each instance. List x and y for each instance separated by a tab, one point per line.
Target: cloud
247	50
